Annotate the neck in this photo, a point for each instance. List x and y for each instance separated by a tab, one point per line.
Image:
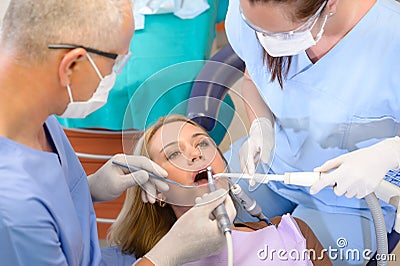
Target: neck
346	16
23	103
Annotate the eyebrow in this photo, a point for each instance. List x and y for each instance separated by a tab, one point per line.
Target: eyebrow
176	142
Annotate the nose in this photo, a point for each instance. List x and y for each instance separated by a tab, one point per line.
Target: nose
195	154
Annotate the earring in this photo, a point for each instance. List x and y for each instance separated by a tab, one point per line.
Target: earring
161	200
331	14
161	203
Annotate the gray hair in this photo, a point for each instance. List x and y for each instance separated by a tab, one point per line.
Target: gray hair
30	25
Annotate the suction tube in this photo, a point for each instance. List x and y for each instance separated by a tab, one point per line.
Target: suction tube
380	229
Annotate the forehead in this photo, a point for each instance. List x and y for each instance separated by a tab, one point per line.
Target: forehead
172	132
271	16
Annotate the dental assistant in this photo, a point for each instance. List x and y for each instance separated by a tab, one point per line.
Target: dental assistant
61	57
321	82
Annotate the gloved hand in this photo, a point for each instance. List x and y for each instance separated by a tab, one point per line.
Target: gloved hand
260	143
358	173
111	180
194	236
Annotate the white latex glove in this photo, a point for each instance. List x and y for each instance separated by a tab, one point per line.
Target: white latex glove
194	236
111	180
260	143
358	173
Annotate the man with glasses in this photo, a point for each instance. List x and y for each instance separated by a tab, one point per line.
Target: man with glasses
62	57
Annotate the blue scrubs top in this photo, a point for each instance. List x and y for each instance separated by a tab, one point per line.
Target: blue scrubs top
46	211
347	100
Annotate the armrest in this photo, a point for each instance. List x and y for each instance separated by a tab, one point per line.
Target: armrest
390	193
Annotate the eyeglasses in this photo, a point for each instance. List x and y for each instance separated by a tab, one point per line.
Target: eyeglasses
120	59
287	34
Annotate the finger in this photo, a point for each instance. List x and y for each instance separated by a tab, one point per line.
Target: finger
265	154
145	163
218	195
325	181
329	165
253	157
134	179
150	190
144	196
199	199
160	185
339	190
243	155
350	194
230	208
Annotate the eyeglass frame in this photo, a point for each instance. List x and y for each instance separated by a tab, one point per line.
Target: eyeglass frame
286	34
119	62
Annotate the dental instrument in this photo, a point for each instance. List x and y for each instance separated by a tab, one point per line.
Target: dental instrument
249	204
220	212
222	218
293	178
151	175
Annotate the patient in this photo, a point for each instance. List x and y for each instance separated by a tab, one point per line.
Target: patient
185	150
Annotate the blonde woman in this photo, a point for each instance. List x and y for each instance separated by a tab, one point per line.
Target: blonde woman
185	150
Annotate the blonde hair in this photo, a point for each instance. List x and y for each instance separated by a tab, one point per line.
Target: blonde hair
30	25
140	225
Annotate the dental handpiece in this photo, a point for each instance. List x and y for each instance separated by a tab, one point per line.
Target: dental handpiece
220	213
249	204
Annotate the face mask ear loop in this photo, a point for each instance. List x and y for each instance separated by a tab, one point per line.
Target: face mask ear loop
319	35
94	66
70	93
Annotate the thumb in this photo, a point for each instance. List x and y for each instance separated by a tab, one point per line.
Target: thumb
265	153
325	181
209	202
329	165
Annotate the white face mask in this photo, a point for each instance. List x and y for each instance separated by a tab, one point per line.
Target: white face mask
293	44
98	99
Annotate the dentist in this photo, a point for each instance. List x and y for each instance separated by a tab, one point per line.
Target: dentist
61	57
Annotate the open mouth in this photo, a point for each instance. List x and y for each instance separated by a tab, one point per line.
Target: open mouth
201	178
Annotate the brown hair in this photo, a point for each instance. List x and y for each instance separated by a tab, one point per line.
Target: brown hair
140	225
279	66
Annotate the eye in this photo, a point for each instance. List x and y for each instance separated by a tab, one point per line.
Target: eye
173	155
203	143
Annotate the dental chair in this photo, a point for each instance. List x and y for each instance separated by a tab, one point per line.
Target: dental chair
215	81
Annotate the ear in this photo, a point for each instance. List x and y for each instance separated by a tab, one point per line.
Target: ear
68	64
331	6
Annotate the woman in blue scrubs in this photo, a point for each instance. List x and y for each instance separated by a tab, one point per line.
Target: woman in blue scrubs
321	81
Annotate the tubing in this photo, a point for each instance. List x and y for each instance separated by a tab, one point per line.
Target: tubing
380	229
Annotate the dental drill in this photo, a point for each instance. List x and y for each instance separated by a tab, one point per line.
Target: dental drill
220	213
222	217
249	204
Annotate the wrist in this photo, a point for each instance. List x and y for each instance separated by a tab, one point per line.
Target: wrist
162	255
389	149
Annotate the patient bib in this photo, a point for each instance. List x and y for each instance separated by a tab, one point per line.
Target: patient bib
281	245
